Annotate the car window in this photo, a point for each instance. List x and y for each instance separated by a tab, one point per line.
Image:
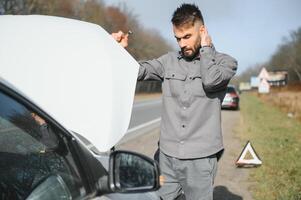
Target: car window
230	90
31	150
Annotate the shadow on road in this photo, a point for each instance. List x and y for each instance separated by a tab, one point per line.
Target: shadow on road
222	193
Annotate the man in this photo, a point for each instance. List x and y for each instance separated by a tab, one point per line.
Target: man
193	84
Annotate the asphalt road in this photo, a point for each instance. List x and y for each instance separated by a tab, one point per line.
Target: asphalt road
145	111
146	116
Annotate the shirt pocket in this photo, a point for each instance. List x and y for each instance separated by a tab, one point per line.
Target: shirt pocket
173	84
196	84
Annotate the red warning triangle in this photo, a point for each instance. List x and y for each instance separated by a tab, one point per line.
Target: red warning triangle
244	160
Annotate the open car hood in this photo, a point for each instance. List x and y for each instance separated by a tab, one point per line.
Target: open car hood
73	70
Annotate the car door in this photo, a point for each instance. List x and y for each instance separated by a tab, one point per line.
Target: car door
34	152
39	159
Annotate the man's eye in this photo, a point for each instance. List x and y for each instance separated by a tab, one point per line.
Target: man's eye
187	37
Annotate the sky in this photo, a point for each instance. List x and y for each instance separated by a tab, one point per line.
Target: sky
249	30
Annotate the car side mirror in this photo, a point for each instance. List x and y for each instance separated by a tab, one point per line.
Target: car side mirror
132	172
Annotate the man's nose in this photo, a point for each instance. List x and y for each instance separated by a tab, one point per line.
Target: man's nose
182	44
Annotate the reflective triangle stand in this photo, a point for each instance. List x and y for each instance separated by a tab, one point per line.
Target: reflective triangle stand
242	161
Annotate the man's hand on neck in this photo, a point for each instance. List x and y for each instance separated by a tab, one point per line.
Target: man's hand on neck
205	37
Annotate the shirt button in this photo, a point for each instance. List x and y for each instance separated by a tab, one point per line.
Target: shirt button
184	108
173	75
190	78
213	60
202	50
183	126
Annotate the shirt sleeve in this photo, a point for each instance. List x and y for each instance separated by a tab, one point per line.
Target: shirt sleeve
218	71
151	69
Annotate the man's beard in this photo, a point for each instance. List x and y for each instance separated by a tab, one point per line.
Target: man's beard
190	56
194	52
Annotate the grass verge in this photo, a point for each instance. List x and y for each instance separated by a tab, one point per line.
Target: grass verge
277	140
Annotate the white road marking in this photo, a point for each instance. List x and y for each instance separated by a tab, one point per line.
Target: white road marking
143	125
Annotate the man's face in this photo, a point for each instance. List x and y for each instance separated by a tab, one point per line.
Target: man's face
189	39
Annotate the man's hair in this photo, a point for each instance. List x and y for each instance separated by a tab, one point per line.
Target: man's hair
187	14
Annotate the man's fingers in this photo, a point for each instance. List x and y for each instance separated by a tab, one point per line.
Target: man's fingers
205	32
116	36
205	37
120	34
209	39
125	36
121	38
124	41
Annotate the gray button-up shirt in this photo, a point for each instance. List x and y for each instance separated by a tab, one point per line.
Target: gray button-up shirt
192	95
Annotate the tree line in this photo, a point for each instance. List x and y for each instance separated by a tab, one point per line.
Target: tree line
144	43
286	57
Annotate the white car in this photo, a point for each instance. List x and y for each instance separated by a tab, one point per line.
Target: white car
60	77
231	99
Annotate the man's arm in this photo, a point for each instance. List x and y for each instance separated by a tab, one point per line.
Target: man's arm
151	70
218	71
219	68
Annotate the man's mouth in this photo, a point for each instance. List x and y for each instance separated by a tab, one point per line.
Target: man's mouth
187	51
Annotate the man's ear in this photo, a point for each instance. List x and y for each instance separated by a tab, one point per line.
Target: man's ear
202	28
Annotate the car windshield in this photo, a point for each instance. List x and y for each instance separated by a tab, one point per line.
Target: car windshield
230	90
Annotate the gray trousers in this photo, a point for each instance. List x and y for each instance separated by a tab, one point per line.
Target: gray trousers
193	177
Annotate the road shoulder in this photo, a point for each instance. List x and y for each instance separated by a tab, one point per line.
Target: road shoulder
231	182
